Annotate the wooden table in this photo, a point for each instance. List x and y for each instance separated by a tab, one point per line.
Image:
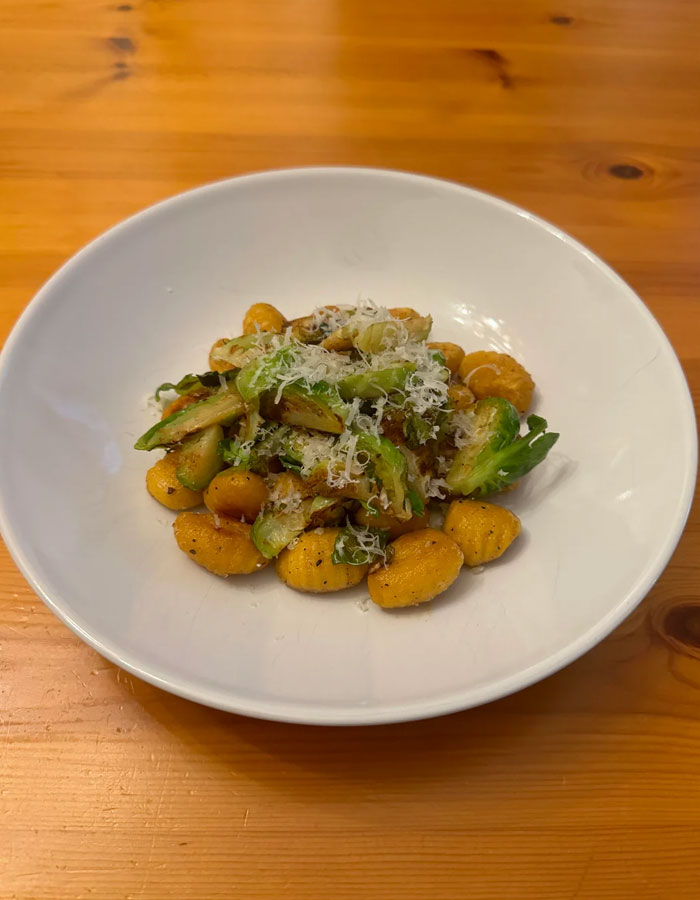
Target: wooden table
586	786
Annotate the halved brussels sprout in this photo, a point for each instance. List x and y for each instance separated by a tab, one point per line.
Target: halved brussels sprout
198	460
495	456
371	385
387	335
318	407
277	525
241	350
223	407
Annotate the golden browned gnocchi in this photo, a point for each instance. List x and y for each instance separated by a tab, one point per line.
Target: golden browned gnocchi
263	317
484	531
422	565
236	493
490	374
308	564
218	543
452	353
215	364
162	484
461	396
403	312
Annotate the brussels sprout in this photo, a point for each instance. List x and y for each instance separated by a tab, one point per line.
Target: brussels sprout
360	546
278	524
252	421
223	407
254	454
261	374
210	381
241	350
239	454
417	430
416	494
387	335
198	460
318	407
495	456
309	329
388	464
371	385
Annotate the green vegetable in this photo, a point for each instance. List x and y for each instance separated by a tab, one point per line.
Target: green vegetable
318	407
369	508
237	453
417	430
252	421
387	335
309	330
495	456
262	374
198	461
277	525
359	546
415	494
371	385
241	350
190	383
254	454
223	407
388	464
417	505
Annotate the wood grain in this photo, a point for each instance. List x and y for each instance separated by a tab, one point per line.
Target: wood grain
584	787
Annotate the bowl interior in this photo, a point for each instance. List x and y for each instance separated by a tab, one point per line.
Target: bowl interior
142	305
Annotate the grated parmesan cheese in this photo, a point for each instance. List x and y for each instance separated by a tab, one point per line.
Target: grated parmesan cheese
368	541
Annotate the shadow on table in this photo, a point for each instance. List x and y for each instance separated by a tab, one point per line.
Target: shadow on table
632	672
515	731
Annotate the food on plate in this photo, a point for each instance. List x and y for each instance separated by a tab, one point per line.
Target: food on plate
218	543
308	564
237	493
163	484
336	443
423	564
452	354
490	374
263	317
483	531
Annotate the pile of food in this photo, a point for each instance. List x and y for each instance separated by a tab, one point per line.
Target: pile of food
344	445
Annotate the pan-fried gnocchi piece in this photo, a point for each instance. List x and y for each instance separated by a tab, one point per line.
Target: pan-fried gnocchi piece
308	564
403	312
218	543
215	364
461	396
163	485
236	493
452	353
423	565
263	317
490	374
483	530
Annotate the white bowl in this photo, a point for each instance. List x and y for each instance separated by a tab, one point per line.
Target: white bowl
143	303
